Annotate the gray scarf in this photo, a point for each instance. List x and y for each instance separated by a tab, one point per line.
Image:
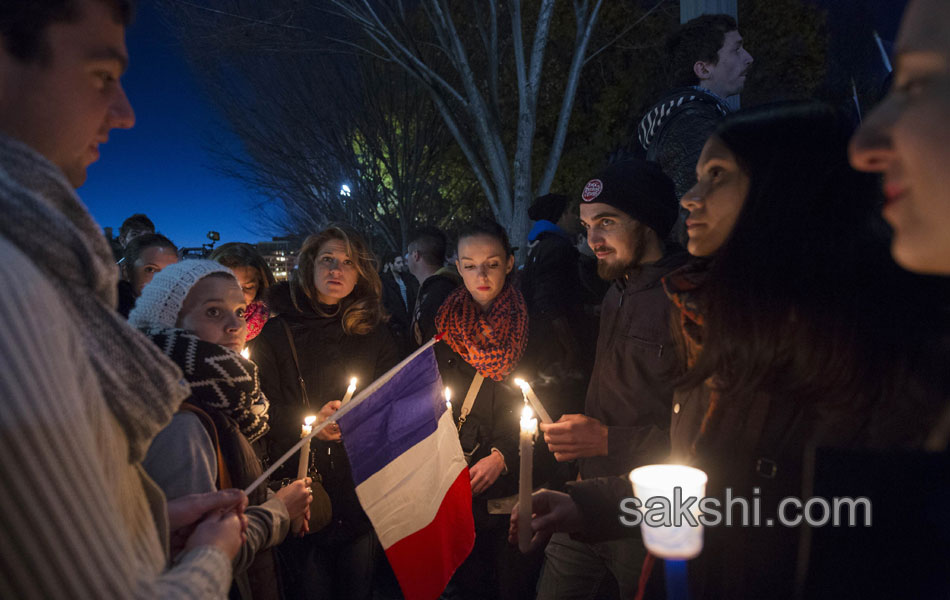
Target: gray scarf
43	217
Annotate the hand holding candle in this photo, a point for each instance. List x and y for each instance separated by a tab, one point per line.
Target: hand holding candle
305	451
531	398
529	429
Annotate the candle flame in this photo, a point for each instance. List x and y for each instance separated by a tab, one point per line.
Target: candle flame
448	395
521	382
352	387
526	413
310	420
246	353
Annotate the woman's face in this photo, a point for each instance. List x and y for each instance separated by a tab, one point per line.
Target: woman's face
151	261
716	200
250	281
214	311
905	139
484	266
334	272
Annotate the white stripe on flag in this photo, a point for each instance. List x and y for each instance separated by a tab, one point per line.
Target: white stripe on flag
405	495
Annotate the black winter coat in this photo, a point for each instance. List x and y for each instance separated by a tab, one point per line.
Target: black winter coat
328	358
631	388
492	423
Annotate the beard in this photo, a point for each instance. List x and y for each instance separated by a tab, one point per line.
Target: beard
616	269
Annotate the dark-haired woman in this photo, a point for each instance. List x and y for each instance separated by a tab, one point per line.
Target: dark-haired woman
795	323
142	258
796	335
332	314
485	323
255	278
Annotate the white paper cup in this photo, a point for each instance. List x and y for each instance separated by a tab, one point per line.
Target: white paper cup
670	542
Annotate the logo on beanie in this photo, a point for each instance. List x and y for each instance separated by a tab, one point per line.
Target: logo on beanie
593	189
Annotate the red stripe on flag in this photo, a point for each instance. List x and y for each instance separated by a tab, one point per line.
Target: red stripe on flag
425	561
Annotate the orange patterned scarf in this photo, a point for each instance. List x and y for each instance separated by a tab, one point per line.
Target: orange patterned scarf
492	342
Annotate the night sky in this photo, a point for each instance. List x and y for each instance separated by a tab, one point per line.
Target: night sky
162	167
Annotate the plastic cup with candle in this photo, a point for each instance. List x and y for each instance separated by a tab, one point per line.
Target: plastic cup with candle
531	398
349	390
529	429
674	542
305	450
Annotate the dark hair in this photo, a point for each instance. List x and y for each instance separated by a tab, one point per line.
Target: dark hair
239	254
802	299
430	243
133	251
136	221
363	307
23	23
485	227
698	39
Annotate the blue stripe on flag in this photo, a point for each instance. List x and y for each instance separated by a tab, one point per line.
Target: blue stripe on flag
401	413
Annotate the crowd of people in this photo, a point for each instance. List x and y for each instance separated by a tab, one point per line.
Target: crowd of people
751	291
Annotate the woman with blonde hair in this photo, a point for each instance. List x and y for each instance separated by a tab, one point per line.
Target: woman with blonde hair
329	327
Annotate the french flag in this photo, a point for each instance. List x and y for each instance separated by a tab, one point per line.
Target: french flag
411	476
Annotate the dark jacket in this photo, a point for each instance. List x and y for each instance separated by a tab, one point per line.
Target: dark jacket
673	131
400	311
127	298
493	421
631	388
432	293
562	336
328	358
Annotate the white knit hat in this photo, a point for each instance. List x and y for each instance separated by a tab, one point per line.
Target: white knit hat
161	298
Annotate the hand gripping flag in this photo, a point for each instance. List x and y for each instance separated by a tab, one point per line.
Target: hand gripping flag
411	477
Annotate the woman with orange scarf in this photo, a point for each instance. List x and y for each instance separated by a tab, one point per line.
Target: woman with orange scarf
485	324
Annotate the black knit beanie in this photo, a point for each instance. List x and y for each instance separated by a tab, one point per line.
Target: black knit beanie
549	207
640	189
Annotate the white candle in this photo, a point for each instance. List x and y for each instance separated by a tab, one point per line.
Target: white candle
305	451
350	390
675	542
246	353
532	399
529	429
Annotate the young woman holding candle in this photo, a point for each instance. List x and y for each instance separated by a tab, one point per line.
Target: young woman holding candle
795	331
329	321
193	311
485	326
255	278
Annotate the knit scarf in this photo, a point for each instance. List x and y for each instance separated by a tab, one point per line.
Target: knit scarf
492	342
256	316
683	286
44	219
221	380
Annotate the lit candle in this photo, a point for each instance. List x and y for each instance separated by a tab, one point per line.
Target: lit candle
246	353
676	542
531	398
350	390
305	451
448	399
529	429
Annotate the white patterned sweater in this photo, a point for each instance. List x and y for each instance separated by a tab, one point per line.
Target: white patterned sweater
77	519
